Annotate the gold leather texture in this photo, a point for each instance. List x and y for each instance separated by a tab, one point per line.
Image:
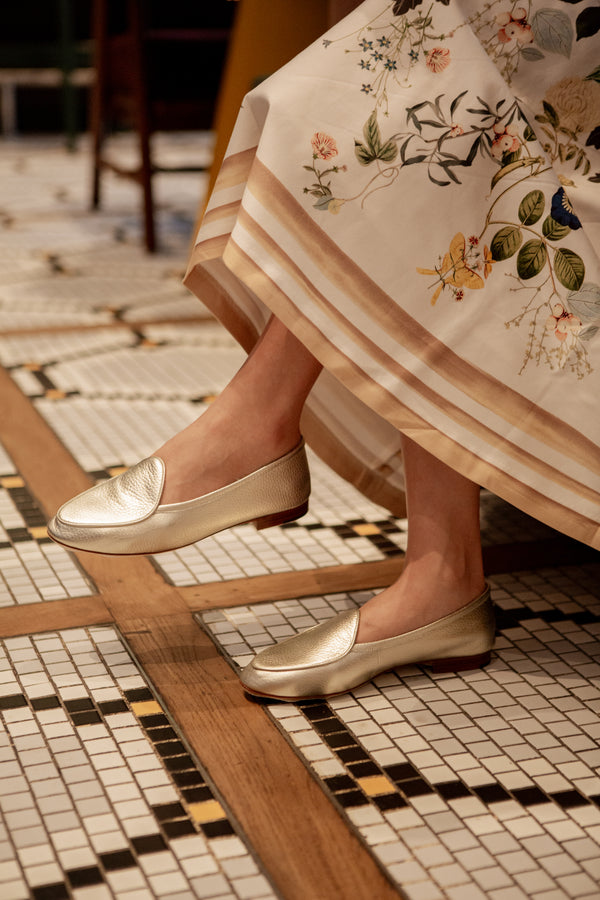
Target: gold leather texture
124	515
326	659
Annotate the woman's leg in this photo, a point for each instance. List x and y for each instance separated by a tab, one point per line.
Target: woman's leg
255	420
443	568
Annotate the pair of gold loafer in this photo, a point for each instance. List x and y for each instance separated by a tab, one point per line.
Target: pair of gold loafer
326	660
124	515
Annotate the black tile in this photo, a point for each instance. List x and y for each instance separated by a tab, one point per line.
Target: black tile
79	705
415	787
197	794
13	701
169	748
352	754
83	877
221	828
178	763
154	721
386	802
491	793
166	811
139	695
149	843
351	798
189	778
529	796
86	718
119	859
17	535
363	769
569	799
328	726
319	711
453	790
51	702
340	739
339	783
58	891
166	733
110	707
179	828
401	771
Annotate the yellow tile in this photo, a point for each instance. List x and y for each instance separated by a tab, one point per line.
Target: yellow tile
12	481
117	470
146	708
375	784
54	394
40	531
32	367
367	528
210	398
207	811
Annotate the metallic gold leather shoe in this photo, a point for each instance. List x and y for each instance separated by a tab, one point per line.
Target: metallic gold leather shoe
326	659
123	515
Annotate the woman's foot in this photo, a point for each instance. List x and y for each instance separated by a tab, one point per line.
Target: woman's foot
220	447
417	598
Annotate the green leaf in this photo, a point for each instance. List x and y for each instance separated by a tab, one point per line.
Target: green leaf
585	303
529	134
569	268
506	242
553	31
363	154
371	133
551	113
553	230
593	76
513	166
532	54
531	259
388	152
531	207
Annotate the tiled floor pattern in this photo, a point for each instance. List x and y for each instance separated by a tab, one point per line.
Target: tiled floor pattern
32	567
469	786
99	797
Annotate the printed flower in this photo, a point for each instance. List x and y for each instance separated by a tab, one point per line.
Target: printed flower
455	271
456	130
323	146
335	205
576	102
505	141
562	211
513	26
563	323
438	59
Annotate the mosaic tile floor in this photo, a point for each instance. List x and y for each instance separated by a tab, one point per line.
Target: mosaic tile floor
466	786
32	567
99	796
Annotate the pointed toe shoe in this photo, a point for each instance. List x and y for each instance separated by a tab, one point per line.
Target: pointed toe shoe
124	515
326	659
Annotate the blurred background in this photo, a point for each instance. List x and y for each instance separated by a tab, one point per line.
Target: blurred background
90	70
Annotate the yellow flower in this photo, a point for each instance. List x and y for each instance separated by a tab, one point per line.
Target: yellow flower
455	270
334	206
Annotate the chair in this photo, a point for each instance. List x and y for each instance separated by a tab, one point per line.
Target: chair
158	67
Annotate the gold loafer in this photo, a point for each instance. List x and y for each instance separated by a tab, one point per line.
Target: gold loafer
124	516
326	659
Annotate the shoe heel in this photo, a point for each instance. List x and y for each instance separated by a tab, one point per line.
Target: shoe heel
280	518
460	663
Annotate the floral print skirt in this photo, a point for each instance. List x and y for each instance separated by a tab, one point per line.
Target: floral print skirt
417	197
